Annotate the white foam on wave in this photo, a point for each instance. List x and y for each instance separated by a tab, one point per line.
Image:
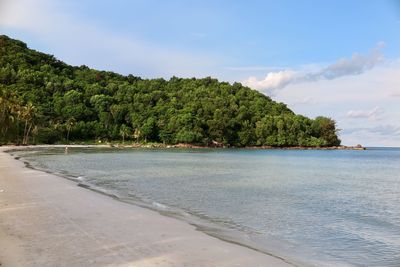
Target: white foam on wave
159	205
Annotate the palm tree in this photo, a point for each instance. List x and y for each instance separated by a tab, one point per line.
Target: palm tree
124	131
35	132
4	114
70	123
9	108
28	115
137	134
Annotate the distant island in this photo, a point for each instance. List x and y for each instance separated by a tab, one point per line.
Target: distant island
46	101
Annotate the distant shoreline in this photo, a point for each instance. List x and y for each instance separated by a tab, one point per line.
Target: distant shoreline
188	146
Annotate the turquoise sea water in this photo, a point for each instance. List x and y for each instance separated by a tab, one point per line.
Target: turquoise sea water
313	207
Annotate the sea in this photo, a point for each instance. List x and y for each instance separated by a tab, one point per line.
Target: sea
310	207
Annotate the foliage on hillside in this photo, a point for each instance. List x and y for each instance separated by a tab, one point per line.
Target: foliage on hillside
43	100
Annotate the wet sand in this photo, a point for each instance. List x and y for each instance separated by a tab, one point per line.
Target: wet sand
46	220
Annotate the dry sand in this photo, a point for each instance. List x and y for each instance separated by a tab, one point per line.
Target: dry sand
46	220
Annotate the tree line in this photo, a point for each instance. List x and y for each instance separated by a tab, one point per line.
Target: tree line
44	100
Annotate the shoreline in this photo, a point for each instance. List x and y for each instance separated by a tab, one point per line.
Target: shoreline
358	147
188	146
98	221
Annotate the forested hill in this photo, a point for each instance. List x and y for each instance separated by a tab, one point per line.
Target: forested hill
44	100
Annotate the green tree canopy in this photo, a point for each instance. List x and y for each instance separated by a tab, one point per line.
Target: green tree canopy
44	97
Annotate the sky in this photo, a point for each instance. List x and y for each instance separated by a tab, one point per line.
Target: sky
339	58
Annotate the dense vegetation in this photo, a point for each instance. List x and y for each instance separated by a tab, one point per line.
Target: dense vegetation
43	100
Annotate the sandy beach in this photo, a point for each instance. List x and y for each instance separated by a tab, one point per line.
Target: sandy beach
46	220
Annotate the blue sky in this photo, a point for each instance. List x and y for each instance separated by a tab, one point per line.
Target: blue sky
335	58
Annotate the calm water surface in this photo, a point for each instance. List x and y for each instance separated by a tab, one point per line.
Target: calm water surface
322	208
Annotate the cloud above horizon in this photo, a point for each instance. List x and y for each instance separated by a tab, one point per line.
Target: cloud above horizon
53	22
367	102
373	114
388	134
355	65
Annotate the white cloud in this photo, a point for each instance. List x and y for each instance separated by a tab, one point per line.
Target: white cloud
373	114
356	101
273	80
38	17
78	42
381	135
387	129
355	65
